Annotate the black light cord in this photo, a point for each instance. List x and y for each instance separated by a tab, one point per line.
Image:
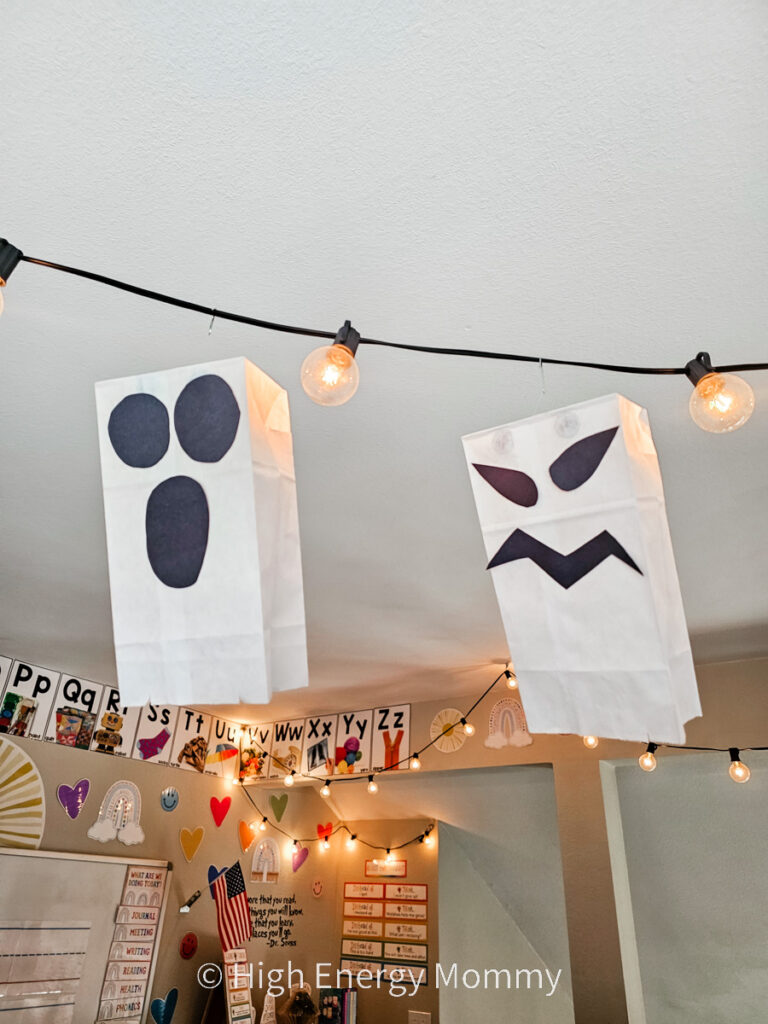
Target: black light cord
341	827
310	332
378	771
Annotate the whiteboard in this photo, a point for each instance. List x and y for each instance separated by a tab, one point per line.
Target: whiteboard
57	925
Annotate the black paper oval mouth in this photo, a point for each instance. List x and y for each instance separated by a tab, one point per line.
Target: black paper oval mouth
177	522
139	430
206	417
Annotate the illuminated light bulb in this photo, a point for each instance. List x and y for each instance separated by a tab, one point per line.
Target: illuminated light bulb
469	729
330	374
325	845
233	781
511	680
415	763
351	842
720	402
263	825
289	779
590	742
372	785
738	771
389	858
428	840
290	847
326	790
647	761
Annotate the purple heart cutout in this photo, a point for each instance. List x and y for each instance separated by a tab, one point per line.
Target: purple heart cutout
298	858
72	798
213	874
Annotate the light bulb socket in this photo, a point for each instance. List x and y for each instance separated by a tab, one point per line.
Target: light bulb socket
735	753
652	748
9	260
348	337
699	368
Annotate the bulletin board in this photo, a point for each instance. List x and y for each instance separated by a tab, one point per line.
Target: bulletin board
67	921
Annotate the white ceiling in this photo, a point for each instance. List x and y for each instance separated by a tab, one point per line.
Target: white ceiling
581	180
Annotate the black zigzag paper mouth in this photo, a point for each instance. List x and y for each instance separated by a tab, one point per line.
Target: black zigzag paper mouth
564	569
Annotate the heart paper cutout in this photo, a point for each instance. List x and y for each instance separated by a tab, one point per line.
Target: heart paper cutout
190	841
278	804
299	856
247	835
164	1009
324	831
213	874
72	798
219	808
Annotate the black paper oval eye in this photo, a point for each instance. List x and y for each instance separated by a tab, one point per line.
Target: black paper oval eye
577	463
511	483
206	417
177	530
139	430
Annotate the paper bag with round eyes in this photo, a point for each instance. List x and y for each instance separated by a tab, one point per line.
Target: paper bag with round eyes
202	535
571	508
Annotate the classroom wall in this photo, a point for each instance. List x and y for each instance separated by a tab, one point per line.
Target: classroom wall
220	846
735	711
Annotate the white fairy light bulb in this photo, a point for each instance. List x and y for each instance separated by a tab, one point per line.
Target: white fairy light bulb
329	374
469	729
590	742
263	825
647	761
325	845
415	763
373	786
389	858
326	790
720	402
290	847
738	771
289	779
428	840
351	842
511	679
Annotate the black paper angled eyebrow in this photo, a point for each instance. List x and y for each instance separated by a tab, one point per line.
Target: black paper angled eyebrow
510	483
577	464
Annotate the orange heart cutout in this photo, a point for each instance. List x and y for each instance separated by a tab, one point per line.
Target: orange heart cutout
247	835
190	841
324	831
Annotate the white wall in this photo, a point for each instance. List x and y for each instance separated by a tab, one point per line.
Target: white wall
501	897
692	893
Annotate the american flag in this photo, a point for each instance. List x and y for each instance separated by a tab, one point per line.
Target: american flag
232	914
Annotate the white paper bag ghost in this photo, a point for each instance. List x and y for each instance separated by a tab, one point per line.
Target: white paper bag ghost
572	511
202	535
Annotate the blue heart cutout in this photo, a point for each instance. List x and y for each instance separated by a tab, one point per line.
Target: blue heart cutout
213	874
163	1009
